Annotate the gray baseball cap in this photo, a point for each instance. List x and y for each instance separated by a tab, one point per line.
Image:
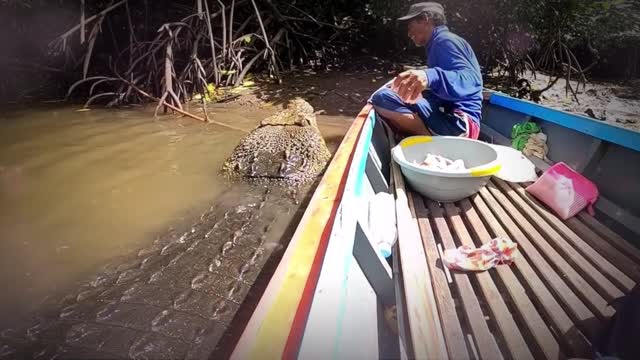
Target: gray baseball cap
422	7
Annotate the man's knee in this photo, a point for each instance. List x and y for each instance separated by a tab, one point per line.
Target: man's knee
383	96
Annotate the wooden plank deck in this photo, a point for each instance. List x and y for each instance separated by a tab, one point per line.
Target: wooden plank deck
456	343
486	345
425	334
550	303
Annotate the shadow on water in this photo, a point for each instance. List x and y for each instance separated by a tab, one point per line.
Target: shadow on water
228	341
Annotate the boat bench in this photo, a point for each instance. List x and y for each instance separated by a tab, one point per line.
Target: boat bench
552	302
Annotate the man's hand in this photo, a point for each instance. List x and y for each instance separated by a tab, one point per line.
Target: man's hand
410	84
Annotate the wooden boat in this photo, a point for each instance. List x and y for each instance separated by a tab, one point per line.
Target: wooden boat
328	295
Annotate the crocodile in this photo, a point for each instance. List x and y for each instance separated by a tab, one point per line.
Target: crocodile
286	148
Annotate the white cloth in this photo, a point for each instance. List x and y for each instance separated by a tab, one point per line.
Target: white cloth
441	163
381	221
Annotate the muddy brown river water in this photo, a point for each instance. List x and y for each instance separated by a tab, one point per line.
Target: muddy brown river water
81	190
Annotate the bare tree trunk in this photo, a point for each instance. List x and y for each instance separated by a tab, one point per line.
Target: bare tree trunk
82	30
92	41
101	13
224	31
166	64
216	74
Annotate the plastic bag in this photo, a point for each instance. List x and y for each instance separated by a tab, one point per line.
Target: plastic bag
382	222
565	191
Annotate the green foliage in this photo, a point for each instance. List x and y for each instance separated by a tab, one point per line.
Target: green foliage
511	34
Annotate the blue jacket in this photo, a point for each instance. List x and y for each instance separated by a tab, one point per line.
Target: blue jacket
453	73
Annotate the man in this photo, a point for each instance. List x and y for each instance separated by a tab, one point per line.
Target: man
444	99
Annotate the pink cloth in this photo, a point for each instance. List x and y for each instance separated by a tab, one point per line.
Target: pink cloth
565	191
473	129
495	252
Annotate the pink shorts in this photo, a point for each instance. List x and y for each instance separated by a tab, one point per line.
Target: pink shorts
473	129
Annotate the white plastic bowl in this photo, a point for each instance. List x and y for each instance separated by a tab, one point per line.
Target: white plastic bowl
480	159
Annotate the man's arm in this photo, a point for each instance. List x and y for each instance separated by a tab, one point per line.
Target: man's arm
459	82
452	85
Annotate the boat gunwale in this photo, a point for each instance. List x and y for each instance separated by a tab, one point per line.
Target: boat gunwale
592	127
263	337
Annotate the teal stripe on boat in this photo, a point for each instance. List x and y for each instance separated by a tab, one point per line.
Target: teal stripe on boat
342	309
371	120
596	128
